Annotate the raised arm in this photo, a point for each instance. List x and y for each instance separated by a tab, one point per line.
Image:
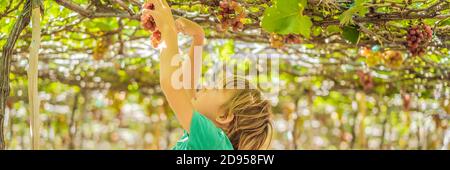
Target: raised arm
177	98
194	30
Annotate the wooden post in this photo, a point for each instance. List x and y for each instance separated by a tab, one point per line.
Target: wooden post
33	73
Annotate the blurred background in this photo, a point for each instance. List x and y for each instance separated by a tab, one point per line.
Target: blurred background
99	85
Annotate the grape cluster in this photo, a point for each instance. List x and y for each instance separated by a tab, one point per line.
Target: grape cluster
149	23
365	79
101	48
418	38
393	59
292	39
406	101
9	103
446	106
230	14
278	41
156	38
372	58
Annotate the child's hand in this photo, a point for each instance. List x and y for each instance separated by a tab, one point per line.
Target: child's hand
188	27
162	16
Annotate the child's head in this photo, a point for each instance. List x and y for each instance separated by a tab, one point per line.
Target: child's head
242	113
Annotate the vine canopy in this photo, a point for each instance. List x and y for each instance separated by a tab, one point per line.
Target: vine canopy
375	73
357	44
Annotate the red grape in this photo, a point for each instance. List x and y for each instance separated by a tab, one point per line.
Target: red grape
276	41
156	38
149	23
418	38
149	6
230	14
365	79
292	39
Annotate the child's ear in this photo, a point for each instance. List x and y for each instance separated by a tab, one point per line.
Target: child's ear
225	119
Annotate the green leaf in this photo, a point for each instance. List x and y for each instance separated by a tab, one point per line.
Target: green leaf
444	22
333	29
351	33
358	8
304	26
346	17
286	17
309	46
253	9
360	2
317	31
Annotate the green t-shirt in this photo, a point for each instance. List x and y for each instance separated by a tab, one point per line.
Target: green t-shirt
204	135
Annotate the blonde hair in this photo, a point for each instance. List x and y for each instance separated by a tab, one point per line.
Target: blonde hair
251	127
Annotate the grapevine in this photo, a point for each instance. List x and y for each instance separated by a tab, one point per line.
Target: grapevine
393	59
418	39
278	41
365	79
230	14
372	58
406	101
147	21
149	24
292	39
101	48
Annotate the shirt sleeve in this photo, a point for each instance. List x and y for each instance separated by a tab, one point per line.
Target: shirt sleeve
204	135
